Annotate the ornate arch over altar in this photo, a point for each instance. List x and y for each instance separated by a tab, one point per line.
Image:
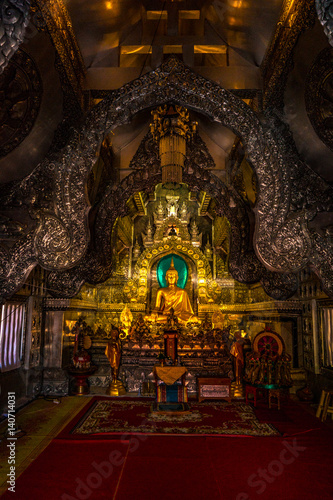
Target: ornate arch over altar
60	240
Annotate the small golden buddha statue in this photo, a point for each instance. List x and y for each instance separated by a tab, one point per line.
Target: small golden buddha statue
236	351
173	297
113	353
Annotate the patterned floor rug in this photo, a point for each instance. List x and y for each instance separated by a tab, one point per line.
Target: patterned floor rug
119	416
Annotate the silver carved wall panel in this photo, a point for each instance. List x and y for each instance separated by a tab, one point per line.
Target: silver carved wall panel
14	18
289	193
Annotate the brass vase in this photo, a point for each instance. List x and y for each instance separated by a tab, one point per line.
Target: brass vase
237	390
116	388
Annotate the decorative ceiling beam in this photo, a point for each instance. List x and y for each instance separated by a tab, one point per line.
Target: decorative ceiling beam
295	17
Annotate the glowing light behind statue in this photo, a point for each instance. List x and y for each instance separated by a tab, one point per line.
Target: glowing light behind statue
179	264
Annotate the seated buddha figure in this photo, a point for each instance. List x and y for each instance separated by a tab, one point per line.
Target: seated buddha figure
173	297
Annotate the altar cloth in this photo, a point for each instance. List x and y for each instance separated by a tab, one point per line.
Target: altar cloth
169	374
175	393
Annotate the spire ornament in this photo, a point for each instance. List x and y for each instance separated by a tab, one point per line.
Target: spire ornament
172	265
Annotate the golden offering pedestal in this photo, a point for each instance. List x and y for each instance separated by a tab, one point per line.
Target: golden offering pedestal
237	390
116	388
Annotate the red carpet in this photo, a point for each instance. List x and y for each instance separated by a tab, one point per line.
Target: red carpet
69	470
170	467
133	416
296	466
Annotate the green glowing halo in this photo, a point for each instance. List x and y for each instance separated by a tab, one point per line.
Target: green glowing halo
179	264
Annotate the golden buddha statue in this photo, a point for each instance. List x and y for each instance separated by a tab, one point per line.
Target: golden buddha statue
236	351
113	353
173	297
